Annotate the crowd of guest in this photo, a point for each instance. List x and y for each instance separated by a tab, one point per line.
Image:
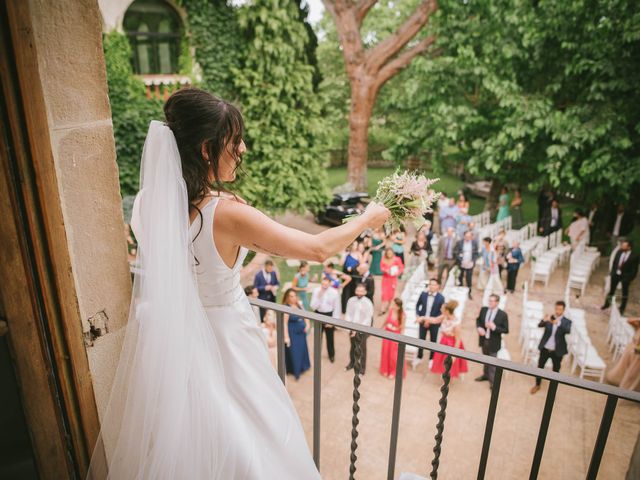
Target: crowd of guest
347	289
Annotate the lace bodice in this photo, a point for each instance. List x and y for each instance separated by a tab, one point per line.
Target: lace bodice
218	284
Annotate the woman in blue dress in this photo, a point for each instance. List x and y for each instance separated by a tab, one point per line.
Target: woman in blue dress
300	283
296	353
503	203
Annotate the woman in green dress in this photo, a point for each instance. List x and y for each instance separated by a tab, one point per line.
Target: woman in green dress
503	203
300	283
377	247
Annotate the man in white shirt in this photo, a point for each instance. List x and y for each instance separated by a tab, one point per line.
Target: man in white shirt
553	344
466	253
491	324
551	220
326	301
360	311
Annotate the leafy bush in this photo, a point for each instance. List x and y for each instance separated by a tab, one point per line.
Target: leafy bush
130	108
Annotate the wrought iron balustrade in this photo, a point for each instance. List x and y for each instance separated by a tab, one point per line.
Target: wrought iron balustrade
612	393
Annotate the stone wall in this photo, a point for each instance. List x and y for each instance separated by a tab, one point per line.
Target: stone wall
72	73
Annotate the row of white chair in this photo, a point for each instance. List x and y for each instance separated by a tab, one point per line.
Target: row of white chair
548	254
481	219
619	332
584	260
582	353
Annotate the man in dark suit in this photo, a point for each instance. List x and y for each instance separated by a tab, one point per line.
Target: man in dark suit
466	253
491	324
623	270
266	281
428	311
553	344
551	219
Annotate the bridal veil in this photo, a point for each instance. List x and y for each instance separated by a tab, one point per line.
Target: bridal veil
168	406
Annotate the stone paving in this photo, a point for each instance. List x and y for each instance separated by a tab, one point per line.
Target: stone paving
571	436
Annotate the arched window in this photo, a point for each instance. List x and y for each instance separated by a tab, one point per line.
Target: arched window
154	30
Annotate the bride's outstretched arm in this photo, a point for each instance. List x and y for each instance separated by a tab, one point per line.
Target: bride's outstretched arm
240	224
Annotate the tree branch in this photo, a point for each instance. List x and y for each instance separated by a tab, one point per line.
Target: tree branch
388	48
362	8
401	61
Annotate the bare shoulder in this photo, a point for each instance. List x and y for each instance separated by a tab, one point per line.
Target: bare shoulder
232	212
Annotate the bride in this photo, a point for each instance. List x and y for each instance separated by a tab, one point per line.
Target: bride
194	394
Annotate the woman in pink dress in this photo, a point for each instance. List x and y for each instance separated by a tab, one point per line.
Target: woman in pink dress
450	329
395	324
392	267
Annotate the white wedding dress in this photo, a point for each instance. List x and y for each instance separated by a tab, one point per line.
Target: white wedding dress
194	396
265	436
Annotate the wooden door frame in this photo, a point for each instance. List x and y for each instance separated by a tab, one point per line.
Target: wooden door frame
37	292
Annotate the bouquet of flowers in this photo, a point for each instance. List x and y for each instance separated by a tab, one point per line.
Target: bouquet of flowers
408	196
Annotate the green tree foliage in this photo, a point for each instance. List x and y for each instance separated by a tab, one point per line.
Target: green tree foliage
529	92
219	46
130	109
281	111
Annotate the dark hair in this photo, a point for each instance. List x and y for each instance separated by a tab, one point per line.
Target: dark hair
268	262
561	302
329	264
362	285
198	118
248	290
495	297
627	240
487	239
434	280
286	295
303	263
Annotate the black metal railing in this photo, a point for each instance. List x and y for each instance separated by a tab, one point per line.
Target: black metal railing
613	393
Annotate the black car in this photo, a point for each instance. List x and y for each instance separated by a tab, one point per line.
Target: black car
341	205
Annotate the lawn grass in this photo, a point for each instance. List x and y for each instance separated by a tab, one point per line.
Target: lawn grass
449	184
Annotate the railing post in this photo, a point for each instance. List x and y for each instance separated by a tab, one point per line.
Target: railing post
446	377
544	426
603	434
317	386
395	416
491	415
356	408
282	373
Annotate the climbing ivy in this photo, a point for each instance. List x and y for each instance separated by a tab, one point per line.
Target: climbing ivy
130	109
214	35
281	111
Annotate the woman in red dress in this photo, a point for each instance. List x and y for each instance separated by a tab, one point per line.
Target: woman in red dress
395	324
450	329
392	267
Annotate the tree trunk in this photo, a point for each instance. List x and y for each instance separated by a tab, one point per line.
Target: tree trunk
492	199
370	68
362	101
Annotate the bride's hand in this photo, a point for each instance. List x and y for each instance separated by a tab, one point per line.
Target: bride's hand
287	341
376	215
